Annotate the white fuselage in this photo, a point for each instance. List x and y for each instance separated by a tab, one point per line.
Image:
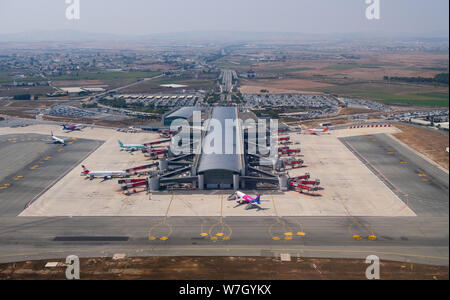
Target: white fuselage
57	140
106	174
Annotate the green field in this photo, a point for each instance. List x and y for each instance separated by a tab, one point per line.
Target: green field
395	93
289	70
4	78
421	99
106	76
231	63
189	82
352	66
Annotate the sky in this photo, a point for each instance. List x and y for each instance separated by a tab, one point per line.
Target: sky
145	17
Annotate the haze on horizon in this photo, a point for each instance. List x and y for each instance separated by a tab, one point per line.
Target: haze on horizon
146	17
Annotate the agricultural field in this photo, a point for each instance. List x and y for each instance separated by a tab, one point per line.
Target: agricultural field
363	77
155	86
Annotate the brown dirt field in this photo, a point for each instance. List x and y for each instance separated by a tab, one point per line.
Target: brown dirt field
352	111
108	123
430	143
222	268
39	90
23	109
402	65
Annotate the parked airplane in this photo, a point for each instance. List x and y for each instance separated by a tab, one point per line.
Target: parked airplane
167	132
132	147
103	174
316	131
57	140
73	127
243	199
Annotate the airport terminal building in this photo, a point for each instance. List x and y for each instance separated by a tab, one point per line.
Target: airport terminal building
231	168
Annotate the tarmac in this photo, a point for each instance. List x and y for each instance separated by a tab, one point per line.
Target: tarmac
419	236
421	185
349	189
30	163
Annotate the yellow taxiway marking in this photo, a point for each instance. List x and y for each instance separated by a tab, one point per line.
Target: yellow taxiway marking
163	223
223	227
34	167
404	162
425	180
391	153
5	186
202	229
357	237
60	149
422	175
288	234
356	222
372	237
48	158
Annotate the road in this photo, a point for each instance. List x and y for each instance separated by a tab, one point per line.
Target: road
227	81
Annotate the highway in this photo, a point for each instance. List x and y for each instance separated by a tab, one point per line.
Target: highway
227	81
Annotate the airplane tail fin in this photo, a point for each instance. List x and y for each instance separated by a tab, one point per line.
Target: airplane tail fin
120	144
326	129
51	132
258	199
85	170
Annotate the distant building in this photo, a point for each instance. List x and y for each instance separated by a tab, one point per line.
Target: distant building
251	74
58	93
